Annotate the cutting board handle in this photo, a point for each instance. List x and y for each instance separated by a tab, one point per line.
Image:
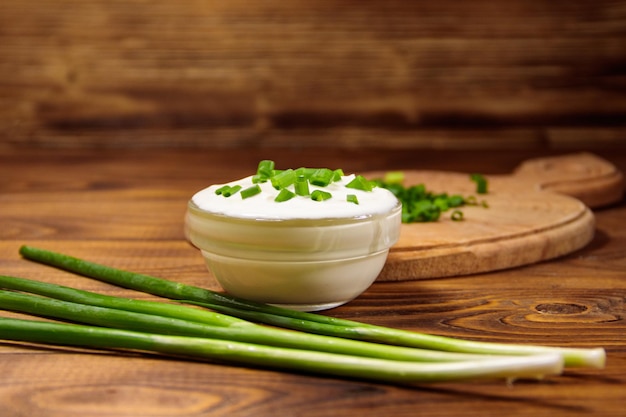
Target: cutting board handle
585	176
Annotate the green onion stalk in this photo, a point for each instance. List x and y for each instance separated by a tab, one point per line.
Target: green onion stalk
203	337
206	349
303	321
65	303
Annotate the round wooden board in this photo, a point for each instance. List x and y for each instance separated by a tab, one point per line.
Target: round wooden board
525	221
513	231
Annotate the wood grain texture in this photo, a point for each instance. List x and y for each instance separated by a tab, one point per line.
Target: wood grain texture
508	234
419	74
530	217
92	208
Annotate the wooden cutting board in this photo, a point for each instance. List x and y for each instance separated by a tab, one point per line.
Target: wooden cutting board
541	211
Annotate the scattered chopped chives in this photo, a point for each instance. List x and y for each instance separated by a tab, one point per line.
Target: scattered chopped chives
306	172
301	186
284	179
421	205
319	195
421	211
301	179
457	215
456	201
250	191
231	190
418	204
442	202
221	190
481	183
265	168
360	183
284	195
321	177
394	177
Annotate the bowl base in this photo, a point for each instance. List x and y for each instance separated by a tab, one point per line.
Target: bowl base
311	307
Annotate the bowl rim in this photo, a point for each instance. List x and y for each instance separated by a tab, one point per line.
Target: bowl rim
193	208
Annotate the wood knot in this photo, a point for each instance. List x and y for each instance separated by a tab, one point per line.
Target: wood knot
560	308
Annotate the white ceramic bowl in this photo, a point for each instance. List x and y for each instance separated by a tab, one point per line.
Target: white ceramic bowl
304	264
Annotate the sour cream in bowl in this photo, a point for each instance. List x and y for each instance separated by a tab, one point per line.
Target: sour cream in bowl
307	239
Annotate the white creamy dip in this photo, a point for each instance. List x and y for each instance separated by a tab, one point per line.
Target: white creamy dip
263	206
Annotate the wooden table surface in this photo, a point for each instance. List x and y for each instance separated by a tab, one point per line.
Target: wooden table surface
125	209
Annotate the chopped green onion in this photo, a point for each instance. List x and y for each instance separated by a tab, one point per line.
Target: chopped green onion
351	198
337	174
361	183
319	195
250	191
301	186
481	183
284	179
256	179
420	211
305	172
407	217
265	168
442	202
394	177
418	192
321	177
301	178
222	189
284	195
457	215
456	201
231	190
421	205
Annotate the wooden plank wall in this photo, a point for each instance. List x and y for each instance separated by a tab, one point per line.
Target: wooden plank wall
294	73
